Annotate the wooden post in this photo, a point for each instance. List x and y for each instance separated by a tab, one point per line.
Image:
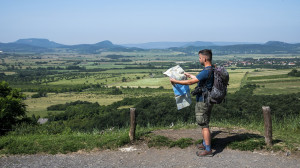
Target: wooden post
268	125
132	125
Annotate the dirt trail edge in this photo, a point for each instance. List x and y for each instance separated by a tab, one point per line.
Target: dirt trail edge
142	156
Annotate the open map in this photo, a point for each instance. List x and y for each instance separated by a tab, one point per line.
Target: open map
182	92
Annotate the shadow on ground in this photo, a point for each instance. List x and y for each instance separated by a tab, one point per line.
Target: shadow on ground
219	144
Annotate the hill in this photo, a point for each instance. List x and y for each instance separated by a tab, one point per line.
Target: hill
271	47
165	45
220	48
18	47
45	43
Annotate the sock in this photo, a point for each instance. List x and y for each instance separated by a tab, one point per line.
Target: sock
208	147
204	143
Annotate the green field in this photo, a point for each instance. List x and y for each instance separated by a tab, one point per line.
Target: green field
274	81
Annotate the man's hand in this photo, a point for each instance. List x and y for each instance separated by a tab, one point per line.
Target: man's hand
173	81
189	75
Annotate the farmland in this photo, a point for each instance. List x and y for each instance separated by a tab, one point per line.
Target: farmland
142	69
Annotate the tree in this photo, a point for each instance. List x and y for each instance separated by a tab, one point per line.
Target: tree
12	108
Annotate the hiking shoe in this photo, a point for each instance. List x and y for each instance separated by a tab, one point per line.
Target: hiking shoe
204	153
200	146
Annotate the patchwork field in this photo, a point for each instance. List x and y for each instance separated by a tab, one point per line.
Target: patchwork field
270	81
64	71
274	81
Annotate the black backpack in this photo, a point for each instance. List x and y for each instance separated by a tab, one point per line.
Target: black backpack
219	89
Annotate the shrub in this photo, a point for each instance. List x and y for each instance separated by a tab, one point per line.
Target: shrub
12	108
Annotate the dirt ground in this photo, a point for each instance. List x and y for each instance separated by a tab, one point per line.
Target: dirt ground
221	137
140	155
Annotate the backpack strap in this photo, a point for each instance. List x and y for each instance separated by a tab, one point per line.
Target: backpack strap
211	71
206	93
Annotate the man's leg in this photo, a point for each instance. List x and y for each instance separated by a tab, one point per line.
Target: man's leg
206	135
203	112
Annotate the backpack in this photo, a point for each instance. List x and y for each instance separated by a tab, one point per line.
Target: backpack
219	89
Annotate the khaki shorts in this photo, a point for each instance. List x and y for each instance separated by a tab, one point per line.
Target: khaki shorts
203	112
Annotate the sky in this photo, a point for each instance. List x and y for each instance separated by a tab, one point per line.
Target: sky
140	21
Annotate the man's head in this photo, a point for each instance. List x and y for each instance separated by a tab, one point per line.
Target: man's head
205	56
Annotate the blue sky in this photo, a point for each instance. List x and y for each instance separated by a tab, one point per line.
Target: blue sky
138	21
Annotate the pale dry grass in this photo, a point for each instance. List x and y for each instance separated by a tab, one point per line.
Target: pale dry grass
39	106
283	87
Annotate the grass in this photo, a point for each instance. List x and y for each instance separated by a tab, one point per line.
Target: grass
285	134
248	144
285	137
273	82
62	143
235	81
148	82
38	106
159	141
283	87
112	79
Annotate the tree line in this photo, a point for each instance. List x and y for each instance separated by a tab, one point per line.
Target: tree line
240	107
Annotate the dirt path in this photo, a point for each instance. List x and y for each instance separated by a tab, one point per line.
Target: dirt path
140	155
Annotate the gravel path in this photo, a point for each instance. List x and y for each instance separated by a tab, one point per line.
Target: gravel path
142	156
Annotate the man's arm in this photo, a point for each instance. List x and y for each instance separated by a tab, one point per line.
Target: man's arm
184	82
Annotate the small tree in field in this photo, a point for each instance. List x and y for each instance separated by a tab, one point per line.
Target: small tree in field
12	108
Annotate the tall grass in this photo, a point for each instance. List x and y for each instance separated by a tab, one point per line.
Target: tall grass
64	142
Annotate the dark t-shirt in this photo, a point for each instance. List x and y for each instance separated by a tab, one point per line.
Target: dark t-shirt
202	77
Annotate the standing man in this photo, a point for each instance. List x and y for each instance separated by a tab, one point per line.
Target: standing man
203	106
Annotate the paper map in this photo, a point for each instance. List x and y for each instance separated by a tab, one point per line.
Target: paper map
182	92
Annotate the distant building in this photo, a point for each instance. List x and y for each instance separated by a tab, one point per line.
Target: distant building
292	63
42	120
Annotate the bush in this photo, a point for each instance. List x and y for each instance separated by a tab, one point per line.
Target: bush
39	94
61	107
116	91
12	108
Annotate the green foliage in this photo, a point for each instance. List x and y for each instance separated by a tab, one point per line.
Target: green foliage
294	72
39	94
159	141
64	142
60	107
248	144
182	142
116	91
12	108
51	128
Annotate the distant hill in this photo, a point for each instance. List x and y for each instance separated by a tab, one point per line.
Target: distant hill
45	43
271	47
165	45
15	47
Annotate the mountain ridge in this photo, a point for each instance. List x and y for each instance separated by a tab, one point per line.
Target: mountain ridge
45	45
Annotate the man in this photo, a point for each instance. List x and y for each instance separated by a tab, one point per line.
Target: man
203	107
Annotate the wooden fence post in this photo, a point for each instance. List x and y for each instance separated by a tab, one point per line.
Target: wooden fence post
132	125
268	125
